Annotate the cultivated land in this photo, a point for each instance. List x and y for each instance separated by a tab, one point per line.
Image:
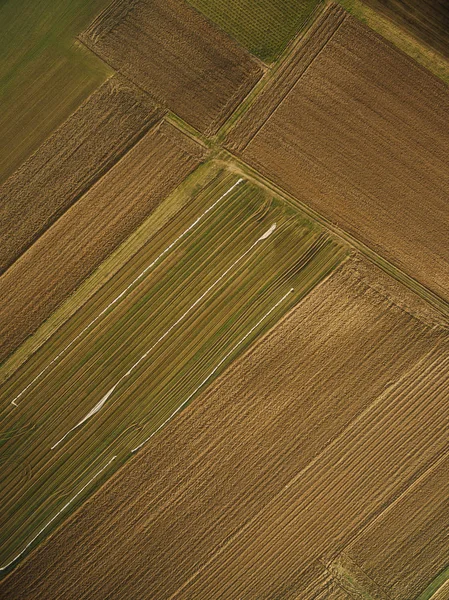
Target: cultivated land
358	132
51	269
281	462
264	31
161	329
406	547
176	55
428	20
44	74
69	162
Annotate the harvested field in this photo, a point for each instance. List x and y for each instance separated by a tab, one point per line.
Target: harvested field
405	548
282	461
146	344
427	20
178	56
265	32
86	234
358	132
69	162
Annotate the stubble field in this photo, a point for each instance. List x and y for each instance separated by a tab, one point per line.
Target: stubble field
152	345
364	146
88	231
267	472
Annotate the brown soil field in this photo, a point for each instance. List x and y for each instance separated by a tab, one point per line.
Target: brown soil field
110	121
406	547
283	460
178	56
427	20
90	229
356	130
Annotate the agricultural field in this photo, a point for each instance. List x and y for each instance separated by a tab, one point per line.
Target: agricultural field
44	74
405	547
97	135
265	32
144	353
428	20
91	229
224	317
177	56
273	483
333	125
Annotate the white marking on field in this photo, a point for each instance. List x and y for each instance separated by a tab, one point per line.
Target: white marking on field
102	402
57	514
126	289
226	356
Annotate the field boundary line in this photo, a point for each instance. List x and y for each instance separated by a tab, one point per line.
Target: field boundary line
226	356
104	399
413	285
443	456
117	298
354	421
58	513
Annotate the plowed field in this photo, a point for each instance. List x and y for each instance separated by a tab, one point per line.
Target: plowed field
105	383
177	55
283	460
69	162
86	234
357	131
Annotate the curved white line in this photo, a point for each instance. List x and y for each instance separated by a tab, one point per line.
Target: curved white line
39	375
57	514
102	402
214	370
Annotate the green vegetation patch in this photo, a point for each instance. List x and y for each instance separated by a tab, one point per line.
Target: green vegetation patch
265	28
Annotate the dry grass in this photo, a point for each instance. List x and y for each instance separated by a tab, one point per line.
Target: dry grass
282	461
354	129
88	232
69	162
176	55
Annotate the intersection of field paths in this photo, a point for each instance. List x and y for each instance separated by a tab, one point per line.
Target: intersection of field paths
66	165
280	463
176	55
53	267
97	391
357	131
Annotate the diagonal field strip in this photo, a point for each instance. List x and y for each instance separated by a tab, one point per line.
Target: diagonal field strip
66	505
101	403
125	291
202	305
214	370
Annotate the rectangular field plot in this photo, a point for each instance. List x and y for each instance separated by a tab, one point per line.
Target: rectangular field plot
358	132
49	271
177	56
281	460
265	31
110	121
162	328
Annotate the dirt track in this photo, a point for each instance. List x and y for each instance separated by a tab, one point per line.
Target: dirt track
69	162
360	135
176	55
279	463
87	233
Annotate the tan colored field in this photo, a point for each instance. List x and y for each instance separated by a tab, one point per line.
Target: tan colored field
282	461
406	547
69	162
357	131
178	56
87	233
